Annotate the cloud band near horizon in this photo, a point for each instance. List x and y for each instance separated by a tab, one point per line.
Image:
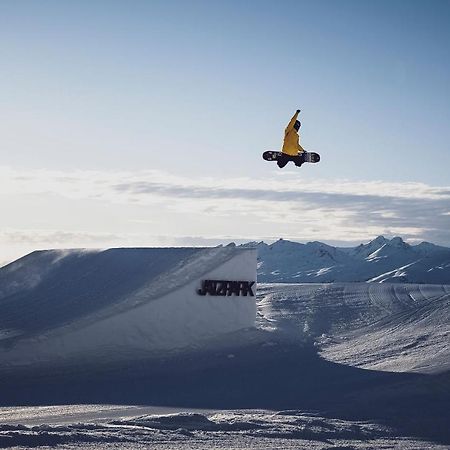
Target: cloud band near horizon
154	206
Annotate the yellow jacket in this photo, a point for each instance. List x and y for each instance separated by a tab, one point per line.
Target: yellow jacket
291	144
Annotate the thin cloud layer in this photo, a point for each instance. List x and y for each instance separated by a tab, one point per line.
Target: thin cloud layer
152	205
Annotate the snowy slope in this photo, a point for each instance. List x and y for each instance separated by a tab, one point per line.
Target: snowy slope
67	307
381	260
389	327
206	430
342	365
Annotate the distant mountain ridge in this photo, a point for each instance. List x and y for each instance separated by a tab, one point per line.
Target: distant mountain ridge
380	260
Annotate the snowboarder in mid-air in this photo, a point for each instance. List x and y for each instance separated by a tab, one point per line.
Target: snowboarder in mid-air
292	150
291	146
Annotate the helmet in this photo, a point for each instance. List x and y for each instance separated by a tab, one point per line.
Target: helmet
297	125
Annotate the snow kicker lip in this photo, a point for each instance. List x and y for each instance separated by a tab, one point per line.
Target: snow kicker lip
76	287
122	304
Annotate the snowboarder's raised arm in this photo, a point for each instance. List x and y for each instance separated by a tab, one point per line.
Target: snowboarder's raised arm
292	122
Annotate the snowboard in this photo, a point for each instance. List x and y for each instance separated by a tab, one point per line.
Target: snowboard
310	157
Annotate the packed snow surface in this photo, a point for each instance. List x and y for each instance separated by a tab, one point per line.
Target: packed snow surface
232	429
391	327
88	307
326	365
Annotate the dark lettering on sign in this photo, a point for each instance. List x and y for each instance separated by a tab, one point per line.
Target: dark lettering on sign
226	288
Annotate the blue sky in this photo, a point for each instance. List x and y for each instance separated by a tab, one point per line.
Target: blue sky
189	92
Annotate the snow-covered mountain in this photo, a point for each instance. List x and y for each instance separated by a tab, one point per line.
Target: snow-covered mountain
381	260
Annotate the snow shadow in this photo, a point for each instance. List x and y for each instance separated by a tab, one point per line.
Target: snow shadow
276	375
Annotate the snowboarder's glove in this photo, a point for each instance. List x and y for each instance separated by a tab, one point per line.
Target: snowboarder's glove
298	111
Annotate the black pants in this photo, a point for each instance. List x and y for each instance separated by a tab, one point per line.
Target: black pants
284	159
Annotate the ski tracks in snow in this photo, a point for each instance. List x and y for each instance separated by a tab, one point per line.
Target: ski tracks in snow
393	327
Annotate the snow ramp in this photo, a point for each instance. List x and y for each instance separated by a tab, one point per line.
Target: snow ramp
91	306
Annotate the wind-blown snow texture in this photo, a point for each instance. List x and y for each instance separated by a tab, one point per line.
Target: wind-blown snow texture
336	365
215	430
381	260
